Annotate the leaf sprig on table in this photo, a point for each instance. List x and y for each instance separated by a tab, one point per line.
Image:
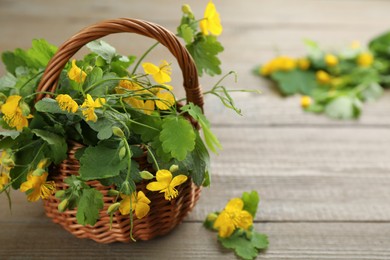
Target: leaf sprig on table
235	226
334	82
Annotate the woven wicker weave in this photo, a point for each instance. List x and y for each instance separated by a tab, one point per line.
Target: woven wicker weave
164	215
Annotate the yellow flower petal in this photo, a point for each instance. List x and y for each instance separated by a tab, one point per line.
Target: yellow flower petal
365	59
177	180
13	114
331	60
66	103
165	100
76	74
160	74
150	68
164	176
305	101
224	225
149	107
211	21
124	206
244	219
141	197
37	187
235	204
156	186
141	209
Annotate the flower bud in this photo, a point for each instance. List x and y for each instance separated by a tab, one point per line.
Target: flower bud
60	194
212	217
240	232
186	9
88	69
122	153
25	108
113	193
174	168
126	188
63	205
146	175
113	208
118	132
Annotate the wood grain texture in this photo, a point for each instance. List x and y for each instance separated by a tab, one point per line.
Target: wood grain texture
324	184
287	241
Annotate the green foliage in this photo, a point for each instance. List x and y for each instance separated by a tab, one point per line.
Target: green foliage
101	162
204	49
57	144
89	205
196	113
295	81
245	248
251	201
103	49
339	89
177	137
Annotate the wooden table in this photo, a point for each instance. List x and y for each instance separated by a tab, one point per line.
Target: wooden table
324	184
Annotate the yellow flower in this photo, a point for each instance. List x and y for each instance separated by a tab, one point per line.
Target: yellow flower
67	103
140	204
135	102
303	63
76	74
13	113
365	59
161	74
4	179
283	63
305	101
323	77
165	183
211	21
164	100
331	60
37	187
89	106
232	217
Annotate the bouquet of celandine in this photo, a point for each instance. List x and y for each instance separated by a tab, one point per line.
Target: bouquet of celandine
336	83
106	134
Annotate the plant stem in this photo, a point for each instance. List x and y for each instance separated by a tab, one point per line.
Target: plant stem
143	56
153	158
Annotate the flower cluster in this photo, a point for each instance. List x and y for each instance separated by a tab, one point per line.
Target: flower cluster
117	117
335	83
235	226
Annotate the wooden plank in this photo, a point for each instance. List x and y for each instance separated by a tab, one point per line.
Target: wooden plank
44	240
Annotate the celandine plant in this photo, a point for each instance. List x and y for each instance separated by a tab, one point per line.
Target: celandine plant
118	111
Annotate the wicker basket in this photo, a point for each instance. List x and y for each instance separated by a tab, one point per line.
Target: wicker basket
164	215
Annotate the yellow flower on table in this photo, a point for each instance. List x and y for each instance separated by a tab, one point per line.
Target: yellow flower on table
211	22
331	60
323	77
89	106
76	74
140	204
38	187
233	217
303	63
166	184
365	59
13	113
305	101
161	74
66	103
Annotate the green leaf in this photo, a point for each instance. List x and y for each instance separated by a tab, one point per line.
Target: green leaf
103	126
7	82
343	107
49	105
93	77
187	33
12	61
260	241
245	248
295	81
148	126
89	205
204	51
101	162
251	202
177	137
103	49
380	45
195	112
57	144
11	133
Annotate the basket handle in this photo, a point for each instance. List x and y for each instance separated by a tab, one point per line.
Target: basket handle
57	63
